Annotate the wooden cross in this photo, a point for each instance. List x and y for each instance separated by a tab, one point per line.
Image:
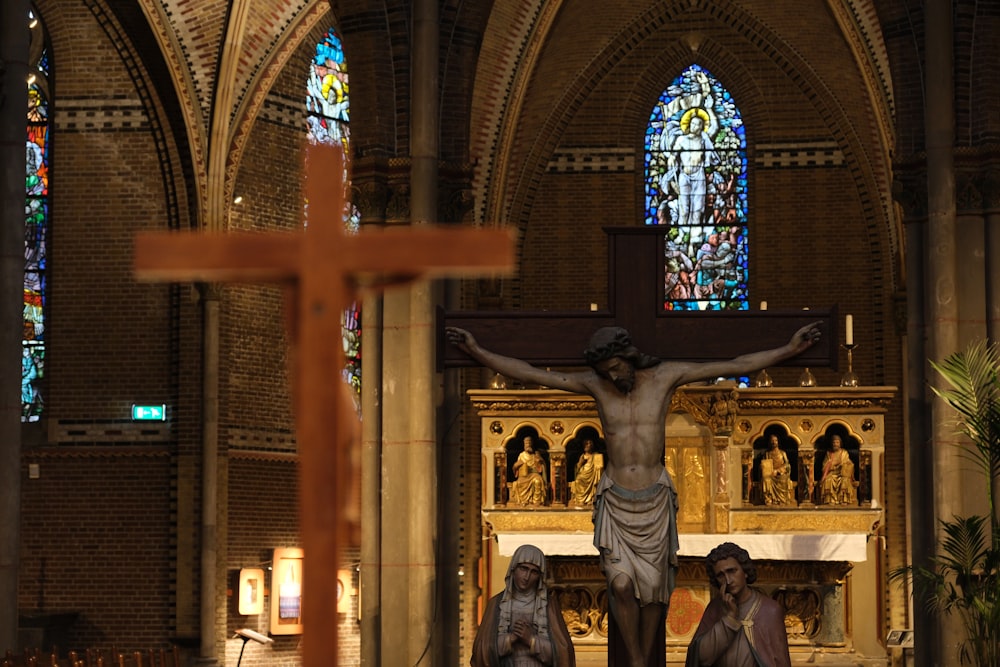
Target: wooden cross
635	301
322	267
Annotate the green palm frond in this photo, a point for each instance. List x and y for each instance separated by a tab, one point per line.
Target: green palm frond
965	545
963	577
975	394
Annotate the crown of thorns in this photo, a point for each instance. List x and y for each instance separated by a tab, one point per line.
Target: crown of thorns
607	343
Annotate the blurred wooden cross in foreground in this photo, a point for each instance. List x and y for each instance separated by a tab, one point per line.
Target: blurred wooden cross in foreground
324	269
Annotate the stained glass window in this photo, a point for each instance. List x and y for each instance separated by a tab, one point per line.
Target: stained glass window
327	119
696	183
36	224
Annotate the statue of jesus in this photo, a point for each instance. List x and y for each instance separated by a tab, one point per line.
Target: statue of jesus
635	527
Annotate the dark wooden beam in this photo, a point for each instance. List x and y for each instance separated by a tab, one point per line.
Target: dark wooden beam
635	301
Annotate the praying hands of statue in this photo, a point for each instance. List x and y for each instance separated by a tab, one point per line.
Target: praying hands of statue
523	631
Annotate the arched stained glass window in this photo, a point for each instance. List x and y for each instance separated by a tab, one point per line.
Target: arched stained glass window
36	223
696	183
327	119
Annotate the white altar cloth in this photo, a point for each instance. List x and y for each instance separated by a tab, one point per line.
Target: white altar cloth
851	547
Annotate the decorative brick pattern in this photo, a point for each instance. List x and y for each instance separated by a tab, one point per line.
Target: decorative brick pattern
592	160
260	441
285	111
100	116
66	432
821	154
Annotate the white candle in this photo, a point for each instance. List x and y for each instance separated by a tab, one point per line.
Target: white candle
849	330
763	305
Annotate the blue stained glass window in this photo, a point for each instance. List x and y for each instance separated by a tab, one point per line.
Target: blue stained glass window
696	183
36	225
327	120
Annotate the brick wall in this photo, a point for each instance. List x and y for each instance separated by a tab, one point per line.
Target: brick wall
97	540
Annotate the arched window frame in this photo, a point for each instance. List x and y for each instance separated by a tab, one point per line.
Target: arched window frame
328	122
36	221
696	183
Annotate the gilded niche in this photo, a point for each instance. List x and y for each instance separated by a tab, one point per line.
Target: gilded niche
833	472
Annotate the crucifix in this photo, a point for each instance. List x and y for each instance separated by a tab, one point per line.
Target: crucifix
503	341
323	270
636	302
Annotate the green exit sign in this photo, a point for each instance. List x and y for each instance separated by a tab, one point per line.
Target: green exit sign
149	413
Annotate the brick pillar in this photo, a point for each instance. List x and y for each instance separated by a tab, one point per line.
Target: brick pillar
13	105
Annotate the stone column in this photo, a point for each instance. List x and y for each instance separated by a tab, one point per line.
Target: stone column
210	487
370	194
940	285
991	241
369	580
411	395
14	106
992	272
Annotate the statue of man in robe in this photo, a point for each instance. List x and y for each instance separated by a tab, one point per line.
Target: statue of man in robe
635	513
741	627
775	474
531	479
588	471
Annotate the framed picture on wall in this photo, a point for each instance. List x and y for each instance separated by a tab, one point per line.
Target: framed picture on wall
345	591
251	591
286	592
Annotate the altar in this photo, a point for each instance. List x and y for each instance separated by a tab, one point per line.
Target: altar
793	475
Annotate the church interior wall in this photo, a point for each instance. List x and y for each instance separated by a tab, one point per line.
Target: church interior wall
91	281
263	516
97	539
814	241
98	533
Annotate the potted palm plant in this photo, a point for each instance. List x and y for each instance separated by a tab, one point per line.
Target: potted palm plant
963	577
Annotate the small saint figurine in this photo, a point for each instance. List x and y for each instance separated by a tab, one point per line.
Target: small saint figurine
837	485
588	473
775	474
531	479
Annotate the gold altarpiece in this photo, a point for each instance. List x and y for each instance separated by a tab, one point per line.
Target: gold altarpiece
811	532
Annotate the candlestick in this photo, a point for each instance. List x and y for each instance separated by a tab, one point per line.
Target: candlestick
849	330
850	378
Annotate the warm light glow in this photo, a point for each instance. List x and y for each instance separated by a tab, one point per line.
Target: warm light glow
286	592
763	305
238	199
251	591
